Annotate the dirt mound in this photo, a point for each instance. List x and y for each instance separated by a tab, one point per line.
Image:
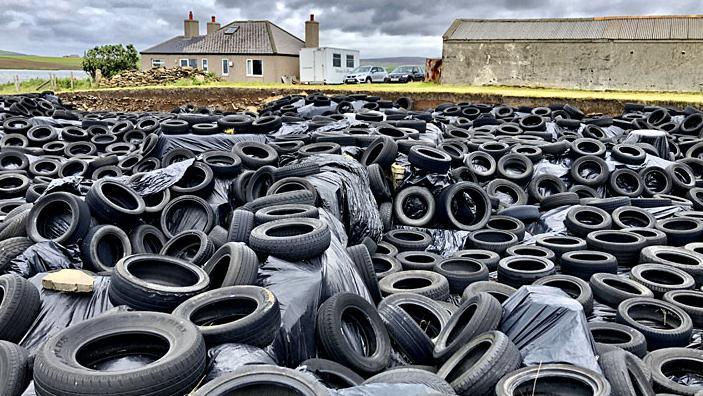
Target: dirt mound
159	76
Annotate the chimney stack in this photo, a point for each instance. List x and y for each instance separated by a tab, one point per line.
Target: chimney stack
212	26
312	33
191	27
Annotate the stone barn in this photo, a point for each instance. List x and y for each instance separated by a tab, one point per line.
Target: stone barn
648	53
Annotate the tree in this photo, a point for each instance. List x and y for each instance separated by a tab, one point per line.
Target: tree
110	59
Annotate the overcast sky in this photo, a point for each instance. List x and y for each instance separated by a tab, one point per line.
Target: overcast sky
378	28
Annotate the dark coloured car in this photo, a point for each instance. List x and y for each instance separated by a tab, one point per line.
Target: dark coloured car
406	73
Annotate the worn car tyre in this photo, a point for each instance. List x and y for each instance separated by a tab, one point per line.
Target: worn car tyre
554	379
619	335
263	379
19	306
60	217
103	246
191	246
146	238
518	271
422	203
406	240
663	324
425	283
63	366
14	368
291	239
665	363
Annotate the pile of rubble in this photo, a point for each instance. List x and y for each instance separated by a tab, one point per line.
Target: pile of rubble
159	76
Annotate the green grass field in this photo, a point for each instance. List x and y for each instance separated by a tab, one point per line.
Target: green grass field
32	62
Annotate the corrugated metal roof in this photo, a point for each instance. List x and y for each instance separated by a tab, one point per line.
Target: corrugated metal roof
671	27
251	37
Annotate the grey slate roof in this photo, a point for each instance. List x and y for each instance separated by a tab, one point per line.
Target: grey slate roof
251	37
668	27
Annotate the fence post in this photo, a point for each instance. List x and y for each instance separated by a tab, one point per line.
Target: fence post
17	83
71	81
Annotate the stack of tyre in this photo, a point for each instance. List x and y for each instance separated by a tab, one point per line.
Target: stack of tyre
629	245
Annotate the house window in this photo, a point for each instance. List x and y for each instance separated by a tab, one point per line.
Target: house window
255	67
204	63
183	62
158	63
350	61
225	67
336	60
193	63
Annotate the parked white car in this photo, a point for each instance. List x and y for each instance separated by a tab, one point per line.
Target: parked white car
366	74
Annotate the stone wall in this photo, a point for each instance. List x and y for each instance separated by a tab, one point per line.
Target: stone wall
606	65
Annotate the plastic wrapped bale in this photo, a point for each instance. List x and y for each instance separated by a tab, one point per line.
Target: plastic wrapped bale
43	257
60	310
202	143
301	286
225	358
548	326
343	187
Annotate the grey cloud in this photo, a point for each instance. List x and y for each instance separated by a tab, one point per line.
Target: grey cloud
57	27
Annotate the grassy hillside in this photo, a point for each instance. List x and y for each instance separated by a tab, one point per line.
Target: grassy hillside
32	62
3	52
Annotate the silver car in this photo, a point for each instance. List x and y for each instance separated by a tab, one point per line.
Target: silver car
366	74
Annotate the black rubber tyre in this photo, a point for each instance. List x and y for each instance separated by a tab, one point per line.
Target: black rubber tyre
235	314
385	212
16	222
660	278
416	260
625	246
278	212
235	123
545	185
581	220
587	146
303	197
191	246
421	200
626	374
530	250
655	180
506	223
584	263
19	307
381	151
406	240
345	309
385	265
494	240
379	183
176	155
103	246
332	374
13	185
186	212
517	168
114	202
386	248
233	264
607	204
147	239
223	163
499	291
291	239
611	289
14	368
524	213
590	171
63	367
626	182
218	236
363	263
263	379
11	248
151	282
651	236
628	154
690	301
413	321
261	183
560	244
619	335
489	258
681	230
174	127
424	283
574	287
665	363
60	217
429	159
156	202
663	324
682	177
481	164
198	180
554	379
626	217
518	271
319	148
453	202
461	272
255	155
412	375
297	170
476	315
477	367
240	226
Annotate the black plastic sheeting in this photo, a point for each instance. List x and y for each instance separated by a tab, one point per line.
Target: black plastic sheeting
300	288
226	358
44	257
202	143
343	187
386	390
60	310
548	326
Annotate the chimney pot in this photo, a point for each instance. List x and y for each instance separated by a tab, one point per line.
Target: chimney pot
213	19
312	17
190	26
190	15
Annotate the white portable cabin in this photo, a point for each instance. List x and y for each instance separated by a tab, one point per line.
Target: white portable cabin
325	65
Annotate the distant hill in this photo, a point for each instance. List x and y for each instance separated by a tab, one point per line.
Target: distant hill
31	62
3	52
402	60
